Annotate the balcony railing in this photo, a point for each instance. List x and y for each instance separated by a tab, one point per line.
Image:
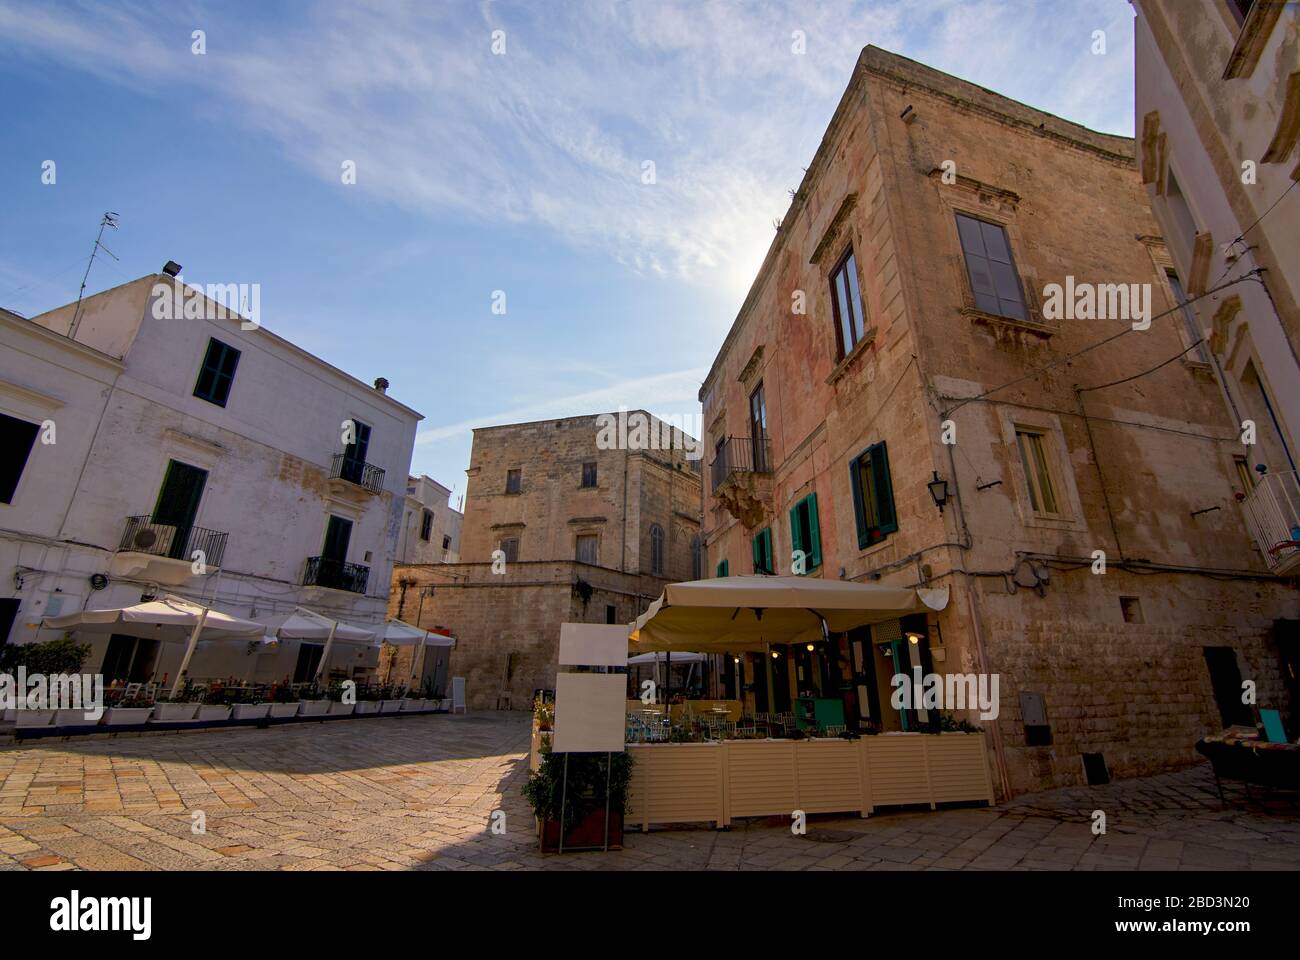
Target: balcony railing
327	572
142	535
1273	513
741	455
363	474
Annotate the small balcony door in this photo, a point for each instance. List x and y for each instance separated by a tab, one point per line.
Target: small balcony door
338	533
758	428
178	504
354	454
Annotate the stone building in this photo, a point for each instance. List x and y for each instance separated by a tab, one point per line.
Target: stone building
430	524
565	520
1218	101
200	435
931	382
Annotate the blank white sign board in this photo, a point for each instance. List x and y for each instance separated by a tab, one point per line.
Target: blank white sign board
593	644
589	712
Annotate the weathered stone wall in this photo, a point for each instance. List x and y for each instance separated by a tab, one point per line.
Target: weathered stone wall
1145	468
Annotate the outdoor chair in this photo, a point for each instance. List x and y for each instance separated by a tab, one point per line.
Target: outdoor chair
834	729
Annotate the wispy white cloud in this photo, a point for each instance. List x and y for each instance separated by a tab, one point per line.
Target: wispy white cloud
557	130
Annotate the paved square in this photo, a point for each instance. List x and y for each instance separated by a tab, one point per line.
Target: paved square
419	793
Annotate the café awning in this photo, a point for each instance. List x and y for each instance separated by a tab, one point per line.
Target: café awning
731	614
402	634
171	618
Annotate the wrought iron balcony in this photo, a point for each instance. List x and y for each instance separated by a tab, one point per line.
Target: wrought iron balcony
142	535
335	574
364	475
1272	512
741	455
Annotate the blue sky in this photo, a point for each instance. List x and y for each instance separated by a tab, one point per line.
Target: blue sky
476	172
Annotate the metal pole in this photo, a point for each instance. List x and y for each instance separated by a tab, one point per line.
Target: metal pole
564	796
771	682
609	771
189	651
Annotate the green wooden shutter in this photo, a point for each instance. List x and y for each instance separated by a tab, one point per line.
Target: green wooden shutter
796	536
884	488
768	565
722	568
859	512
815	548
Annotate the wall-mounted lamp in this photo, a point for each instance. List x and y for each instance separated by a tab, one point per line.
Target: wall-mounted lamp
811	648
914	638
938	490
775	655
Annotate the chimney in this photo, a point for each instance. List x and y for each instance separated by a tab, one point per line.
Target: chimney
381	385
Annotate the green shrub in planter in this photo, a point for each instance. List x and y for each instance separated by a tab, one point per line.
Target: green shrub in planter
51	657
585	794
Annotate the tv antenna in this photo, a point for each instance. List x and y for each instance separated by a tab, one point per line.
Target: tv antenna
107	220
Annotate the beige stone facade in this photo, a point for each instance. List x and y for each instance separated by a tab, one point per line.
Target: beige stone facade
960	209
1218	108
558	527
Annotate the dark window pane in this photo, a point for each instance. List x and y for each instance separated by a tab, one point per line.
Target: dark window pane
971	239
16	440
995	242
855	297
217	373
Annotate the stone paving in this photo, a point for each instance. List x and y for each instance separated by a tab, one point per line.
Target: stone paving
420	792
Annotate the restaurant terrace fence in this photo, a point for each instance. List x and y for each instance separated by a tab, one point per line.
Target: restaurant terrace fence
698	782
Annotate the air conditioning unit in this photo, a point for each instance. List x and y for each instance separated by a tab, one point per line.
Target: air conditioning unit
155	538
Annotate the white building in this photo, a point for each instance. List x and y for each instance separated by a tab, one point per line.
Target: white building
1218	110
195	457
430	526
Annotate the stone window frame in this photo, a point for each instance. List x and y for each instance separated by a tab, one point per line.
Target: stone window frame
501	545
969	202
1162	263
1252	35
518	473
1070	515
578	536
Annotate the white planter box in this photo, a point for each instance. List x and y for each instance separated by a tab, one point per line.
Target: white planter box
214	711
8	716
390	706
72	718
282	710
313	708
367	706
173	712
445	704
414	706
250	711
121	716
34	718
341	709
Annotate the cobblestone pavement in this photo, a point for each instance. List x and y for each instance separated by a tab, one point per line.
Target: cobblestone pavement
419	793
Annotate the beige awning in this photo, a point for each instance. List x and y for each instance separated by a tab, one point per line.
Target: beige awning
731	614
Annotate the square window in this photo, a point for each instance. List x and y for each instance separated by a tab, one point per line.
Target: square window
217	373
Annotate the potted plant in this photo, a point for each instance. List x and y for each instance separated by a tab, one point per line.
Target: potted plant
284	702
311	703
581	792
181	710
544	714
50	658
127	712
388	701
367	700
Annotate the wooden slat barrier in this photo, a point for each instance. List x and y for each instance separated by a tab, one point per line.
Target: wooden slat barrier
694	782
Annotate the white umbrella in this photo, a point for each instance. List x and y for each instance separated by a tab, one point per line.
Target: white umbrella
170	618
304	624
401	634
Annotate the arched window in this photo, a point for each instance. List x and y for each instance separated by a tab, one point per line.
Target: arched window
697	558
656	550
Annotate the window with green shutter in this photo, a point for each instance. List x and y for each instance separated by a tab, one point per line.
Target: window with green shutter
763	551
722	569
873	495
805	533
217	373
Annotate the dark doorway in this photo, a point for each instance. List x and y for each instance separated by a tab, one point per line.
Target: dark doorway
1225	679
338	533
354	454
8	613
758	427
864	705
309	655
178	504
130	659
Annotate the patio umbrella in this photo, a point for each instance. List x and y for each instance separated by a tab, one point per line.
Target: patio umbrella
305	624
171	618
729	614
402	634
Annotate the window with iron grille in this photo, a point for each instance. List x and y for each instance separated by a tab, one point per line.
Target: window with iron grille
217	373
